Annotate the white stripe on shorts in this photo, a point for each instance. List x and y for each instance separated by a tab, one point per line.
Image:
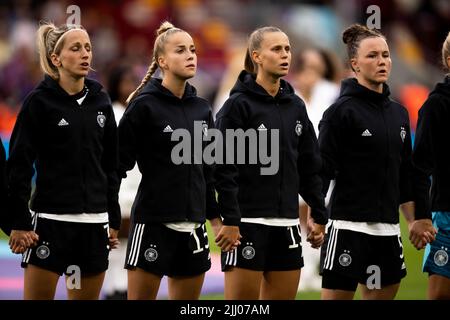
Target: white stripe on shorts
330	248
231	258
327	253
27	253
136	244
139	244
227	259
334	249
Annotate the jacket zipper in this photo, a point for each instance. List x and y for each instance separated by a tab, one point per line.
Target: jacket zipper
188	190
281	169
83	153
386	163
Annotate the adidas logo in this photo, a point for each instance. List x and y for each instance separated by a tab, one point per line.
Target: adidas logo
366	133
168	129
63	123
262	127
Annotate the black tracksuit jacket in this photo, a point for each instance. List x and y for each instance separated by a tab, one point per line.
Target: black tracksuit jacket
365	144
168	192
242	190
431	154
74	150
3	192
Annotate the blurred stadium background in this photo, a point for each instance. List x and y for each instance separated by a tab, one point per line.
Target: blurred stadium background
122	34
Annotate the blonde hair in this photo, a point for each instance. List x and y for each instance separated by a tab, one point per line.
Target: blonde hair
446	52
50	39
254	43
162	34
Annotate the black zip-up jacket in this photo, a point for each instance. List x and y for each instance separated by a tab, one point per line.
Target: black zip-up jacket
242	190
4	218
74	150
431	154
168	192
365	144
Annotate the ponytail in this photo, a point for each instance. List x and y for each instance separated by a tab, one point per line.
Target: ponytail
164	31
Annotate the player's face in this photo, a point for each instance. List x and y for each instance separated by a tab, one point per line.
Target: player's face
179	57
75	57
274	56
373	61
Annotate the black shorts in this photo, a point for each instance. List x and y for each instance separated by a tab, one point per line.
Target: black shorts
165	252
63	244
266	248
360	257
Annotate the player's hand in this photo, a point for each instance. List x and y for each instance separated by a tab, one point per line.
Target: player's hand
315	233
228	238
421	232
113	238
21	240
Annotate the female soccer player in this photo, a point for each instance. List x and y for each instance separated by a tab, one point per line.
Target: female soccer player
365	145
431	156
67	132
168	235
264	207
3	190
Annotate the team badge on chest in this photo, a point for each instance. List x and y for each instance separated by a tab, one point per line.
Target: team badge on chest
403	133
101	119
298	128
